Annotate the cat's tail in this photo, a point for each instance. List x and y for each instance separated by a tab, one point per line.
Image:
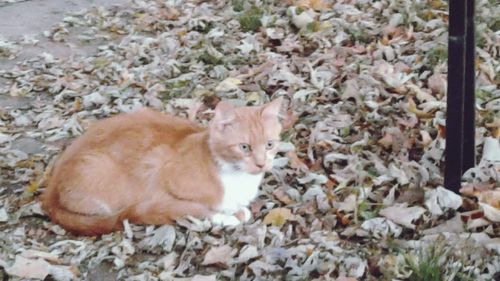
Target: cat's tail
84	224
78	223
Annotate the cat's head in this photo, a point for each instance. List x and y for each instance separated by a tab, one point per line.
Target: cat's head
246	138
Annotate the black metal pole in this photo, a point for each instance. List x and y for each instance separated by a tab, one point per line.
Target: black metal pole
455	95
470	85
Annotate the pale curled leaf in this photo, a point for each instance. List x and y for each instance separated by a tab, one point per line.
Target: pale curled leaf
39	269
199	277
164	237
491	150
403	215
34	254
439	199
29	268
454	225
217	255
246	253
381	227
491	213
301	19
348	205
3	215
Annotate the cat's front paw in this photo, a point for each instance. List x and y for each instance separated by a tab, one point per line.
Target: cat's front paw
225	220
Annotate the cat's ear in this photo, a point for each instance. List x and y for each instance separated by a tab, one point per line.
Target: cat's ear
273	108
224	115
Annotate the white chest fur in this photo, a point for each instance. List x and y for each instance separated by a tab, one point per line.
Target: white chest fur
240	189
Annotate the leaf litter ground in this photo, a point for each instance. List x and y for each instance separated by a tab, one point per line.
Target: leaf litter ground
356	192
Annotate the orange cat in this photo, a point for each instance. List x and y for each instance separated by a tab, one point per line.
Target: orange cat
152	168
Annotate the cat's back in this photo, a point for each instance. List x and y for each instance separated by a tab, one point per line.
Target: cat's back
133	133
148	119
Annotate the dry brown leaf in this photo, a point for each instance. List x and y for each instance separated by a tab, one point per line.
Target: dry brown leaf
32	187
483	193
412	196
412	107
331	183
344	219
296	162
496	132
386	141
438	84
281	195
491	213
318	5
473	189
426	138
278	217
77	106
170	13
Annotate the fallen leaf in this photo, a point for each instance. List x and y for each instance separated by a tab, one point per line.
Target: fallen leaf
3	215
344	219
475	189
29	268
32	187
412	107
421	94
438	84
491	198
348	205
491	150
403	215
296	162
343	278
228	84
278	217
454	225
303	18
318	5
436	200
381	227
164	237
218	255
412	196
281	195
246	253
34	254
386	141
198	277
426	138
491	213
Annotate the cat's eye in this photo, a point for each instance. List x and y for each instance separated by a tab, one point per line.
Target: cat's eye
269	145
245	147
